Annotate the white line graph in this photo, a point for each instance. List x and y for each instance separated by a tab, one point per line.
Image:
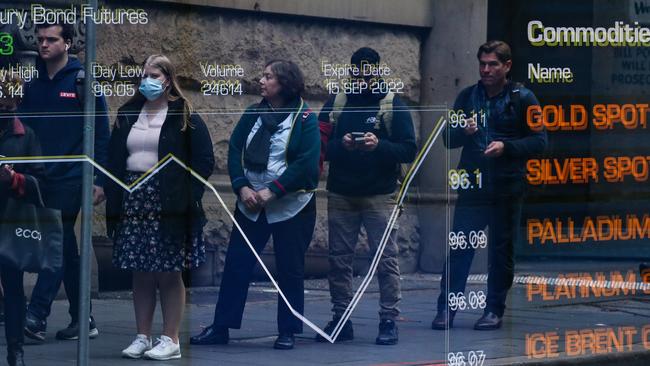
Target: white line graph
415	167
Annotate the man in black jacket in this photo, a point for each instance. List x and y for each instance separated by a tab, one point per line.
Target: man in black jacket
52	108
488	122
369	142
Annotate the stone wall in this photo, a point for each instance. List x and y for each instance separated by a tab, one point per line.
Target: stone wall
190	36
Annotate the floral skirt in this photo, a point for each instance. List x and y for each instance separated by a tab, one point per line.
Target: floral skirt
139	243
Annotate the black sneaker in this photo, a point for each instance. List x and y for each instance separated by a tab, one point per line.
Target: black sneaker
346	334
387	333
72	331
489	321
284	341
15	356
443	320
35	328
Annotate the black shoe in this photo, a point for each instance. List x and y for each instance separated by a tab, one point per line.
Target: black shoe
346	334
489	321
15	355
388	334
35	328
72	331
211	335
443	320
284	341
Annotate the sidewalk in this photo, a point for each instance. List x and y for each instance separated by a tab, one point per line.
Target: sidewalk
543	323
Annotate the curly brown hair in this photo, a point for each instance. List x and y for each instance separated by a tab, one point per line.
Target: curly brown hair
290	78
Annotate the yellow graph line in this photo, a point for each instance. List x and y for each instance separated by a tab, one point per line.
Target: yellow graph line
153	169
421	154
84	158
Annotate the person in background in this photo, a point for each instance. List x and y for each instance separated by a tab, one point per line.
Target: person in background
273	166
157	228
371	135
18	182
497	147
53	108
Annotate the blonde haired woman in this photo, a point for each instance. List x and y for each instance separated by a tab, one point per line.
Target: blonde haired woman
157	229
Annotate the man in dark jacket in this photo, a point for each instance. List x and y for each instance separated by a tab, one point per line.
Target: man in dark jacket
488	122
52	108
365	152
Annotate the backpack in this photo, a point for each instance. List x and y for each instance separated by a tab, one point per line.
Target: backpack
79	85
515	99
384	115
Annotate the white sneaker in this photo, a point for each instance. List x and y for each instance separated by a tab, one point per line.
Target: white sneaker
138	347
165	349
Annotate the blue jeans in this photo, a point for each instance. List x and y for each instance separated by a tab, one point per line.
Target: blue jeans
67	198
501	213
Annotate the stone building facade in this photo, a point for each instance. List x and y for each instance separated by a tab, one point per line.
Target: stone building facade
246	34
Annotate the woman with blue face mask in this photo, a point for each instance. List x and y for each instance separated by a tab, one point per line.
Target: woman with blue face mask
157	228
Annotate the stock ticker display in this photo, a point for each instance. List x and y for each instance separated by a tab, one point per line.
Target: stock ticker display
482	181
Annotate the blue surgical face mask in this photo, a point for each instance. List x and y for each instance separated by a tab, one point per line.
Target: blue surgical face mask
151	88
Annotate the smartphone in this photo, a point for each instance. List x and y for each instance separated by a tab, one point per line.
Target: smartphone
358	137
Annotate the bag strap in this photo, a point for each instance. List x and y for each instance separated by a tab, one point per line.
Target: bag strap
37	187
385	114
340	101
515	98
79	85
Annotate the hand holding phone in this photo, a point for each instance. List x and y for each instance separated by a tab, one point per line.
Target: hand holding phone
359	138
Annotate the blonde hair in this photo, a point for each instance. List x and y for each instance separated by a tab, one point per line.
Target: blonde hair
173	91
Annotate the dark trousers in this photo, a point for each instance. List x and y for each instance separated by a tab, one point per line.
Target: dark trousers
67	198
502	214
12	283
291	239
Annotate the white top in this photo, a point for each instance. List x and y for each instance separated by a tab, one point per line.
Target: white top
290	204
142	142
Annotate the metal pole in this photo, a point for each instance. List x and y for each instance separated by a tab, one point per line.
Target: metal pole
87	197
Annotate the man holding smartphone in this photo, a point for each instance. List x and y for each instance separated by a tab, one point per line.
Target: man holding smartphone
371	134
